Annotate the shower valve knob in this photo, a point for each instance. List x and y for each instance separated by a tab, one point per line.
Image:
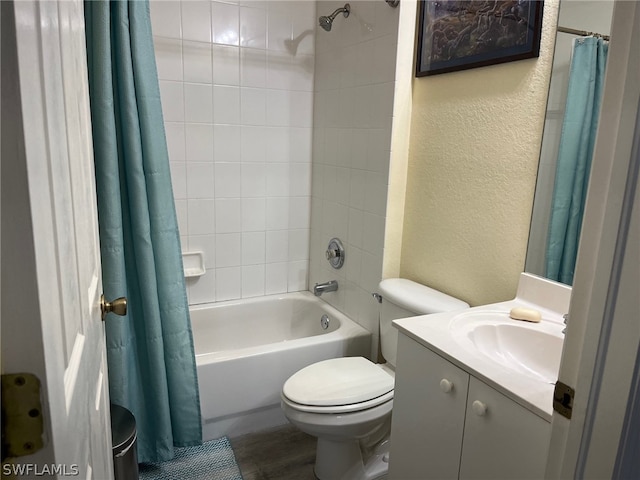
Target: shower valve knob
335	253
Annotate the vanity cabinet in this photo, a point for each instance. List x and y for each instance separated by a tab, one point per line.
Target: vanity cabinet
427	422
448	424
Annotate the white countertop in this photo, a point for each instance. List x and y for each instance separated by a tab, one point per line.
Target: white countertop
435	332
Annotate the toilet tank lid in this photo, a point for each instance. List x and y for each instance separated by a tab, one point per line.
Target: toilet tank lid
418	298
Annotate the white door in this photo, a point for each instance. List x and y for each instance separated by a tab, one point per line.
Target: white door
603	335
51	285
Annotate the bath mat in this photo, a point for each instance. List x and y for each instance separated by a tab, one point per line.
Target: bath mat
209	461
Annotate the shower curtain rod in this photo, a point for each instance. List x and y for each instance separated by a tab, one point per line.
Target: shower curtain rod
582	33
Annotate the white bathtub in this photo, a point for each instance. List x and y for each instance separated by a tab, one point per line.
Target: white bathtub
246	350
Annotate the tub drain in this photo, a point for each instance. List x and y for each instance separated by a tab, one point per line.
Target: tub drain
324	321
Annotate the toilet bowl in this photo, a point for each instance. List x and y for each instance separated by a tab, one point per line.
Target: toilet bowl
347	402
344	402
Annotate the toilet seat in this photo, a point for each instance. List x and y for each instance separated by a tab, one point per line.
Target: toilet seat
351	408
338	385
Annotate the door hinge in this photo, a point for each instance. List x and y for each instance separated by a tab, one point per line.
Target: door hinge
22	423
563	399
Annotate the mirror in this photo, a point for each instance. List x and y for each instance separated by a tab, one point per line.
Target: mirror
582	15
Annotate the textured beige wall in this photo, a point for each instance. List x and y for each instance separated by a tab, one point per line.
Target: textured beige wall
473	158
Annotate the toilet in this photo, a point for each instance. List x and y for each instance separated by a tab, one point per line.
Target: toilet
346	402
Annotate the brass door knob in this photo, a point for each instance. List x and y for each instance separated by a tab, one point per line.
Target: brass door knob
117	306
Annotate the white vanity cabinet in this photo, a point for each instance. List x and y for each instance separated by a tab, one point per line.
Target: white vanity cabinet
427	422
501	438
448	424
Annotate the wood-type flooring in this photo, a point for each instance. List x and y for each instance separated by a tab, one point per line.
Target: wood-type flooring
284	453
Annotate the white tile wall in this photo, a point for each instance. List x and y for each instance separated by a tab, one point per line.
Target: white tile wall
352	117
279	138
236	80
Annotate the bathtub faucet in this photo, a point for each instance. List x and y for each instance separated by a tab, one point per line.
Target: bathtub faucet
320	288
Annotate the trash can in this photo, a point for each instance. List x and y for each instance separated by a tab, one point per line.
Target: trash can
124	438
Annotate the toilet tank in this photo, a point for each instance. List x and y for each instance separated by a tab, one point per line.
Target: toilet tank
403	298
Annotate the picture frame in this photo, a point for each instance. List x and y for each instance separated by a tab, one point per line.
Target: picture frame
457	35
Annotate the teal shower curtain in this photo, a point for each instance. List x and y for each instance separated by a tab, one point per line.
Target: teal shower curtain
150	352
586	80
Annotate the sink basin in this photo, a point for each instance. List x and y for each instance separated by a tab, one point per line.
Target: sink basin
531	349
531	352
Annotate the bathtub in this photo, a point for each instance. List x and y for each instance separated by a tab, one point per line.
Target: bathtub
246	349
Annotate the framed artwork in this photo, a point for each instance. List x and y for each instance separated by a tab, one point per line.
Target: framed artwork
457	35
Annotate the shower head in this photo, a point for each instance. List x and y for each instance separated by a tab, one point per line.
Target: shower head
326	21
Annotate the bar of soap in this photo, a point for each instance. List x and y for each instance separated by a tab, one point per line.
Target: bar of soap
526	314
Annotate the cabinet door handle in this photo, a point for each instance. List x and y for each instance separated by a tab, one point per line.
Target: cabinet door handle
446	385
479	408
